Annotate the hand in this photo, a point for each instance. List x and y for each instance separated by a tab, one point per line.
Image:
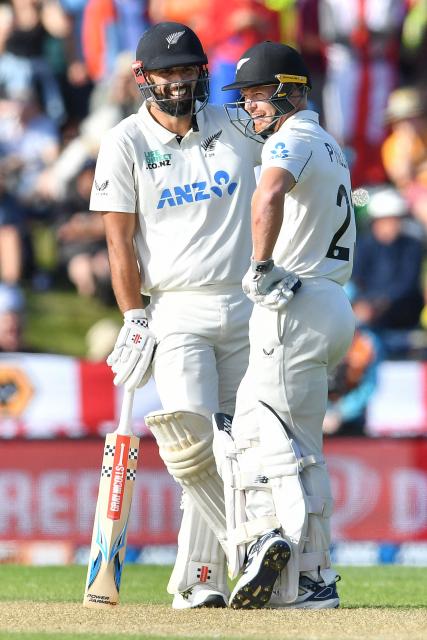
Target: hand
133	352
270	286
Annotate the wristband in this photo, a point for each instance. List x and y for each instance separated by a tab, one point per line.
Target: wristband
262	266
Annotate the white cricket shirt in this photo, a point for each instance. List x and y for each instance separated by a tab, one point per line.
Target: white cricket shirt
318	233
192	198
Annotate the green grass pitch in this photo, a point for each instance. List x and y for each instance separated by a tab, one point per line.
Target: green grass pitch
45	603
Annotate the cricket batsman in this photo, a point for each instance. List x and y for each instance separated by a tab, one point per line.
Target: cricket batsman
303	233
174	184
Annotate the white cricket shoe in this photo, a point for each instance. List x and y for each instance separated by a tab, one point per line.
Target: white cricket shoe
198	596
311	595
266	559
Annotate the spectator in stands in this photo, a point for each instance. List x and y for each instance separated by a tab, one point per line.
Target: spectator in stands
414	43
12	307
110	103
230	28
29	141
312	48
387	267
82	247
26	42
404	151
362	45
110	27
351	385
12	219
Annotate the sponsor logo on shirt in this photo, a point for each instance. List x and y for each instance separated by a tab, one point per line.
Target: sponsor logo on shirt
197	191
209	144
155	159
101	186
279	151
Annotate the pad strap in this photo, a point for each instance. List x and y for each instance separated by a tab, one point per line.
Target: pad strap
252	529
314	560
319	506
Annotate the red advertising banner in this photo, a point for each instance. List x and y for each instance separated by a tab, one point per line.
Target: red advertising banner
48	491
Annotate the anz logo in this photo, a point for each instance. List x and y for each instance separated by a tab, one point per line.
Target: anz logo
197	191
279	151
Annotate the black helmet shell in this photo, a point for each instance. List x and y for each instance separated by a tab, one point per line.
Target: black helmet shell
264	62
169	44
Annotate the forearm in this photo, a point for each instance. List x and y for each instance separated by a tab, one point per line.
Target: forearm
125	276
267	210
267	218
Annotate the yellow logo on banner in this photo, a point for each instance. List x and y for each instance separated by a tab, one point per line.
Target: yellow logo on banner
15	392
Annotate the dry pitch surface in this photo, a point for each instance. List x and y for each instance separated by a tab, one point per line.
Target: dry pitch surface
379	603
63	619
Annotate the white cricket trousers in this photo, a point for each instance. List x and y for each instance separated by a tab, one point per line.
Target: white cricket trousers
203	347
291	353
201	357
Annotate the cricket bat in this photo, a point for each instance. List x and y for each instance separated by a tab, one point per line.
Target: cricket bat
109	536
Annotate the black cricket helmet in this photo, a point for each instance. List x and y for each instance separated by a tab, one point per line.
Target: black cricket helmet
166	45
268	63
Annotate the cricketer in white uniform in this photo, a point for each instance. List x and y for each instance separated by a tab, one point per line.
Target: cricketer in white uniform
174	182
303	241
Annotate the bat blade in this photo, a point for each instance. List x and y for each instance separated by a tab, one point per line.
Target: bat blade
109	536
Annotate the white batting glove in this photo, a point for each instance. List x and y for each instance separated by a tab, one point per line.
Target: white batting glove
133	352
270	286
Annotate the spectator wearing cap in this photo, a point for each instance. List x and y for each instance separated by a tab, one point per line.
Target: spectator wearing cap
387	267
12	307
404	152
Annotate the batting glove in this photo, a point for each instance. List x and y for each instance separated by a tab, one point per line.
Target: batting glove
270	286
133	352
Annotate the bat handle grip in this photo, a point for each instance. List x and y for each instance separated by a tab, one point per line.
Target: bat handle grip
125	422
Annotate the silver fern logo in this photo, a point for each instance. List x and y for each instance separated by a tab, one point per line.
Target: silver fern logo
173	38
209	144
241	62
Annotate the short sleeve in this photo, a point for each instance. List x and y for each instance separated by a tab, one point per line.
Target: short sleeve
287	151
114	186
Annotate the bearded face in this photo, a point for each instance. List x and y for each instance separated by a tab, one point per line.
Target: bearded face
175	98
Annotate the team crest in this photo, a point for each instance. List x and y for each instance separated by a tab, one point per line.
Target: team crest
241	62
209	144
173	38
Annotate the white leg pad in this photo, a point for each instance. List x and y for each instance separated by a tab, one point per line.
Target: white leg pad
285	468
185	445
240	471
200	558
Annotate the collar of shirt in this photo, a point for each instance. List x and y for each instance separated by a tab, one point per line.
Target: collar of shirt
164	135
305	114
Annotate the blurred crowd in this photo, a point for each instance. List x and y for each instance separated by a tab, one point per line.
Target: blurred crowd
65	78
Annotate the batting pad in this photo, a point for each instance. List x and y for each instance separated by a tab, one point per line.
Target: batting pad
185	445
285	468
200	558
240	471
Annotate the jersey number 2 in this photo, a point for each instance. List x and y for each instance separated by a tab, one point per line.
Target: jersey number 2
336	252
